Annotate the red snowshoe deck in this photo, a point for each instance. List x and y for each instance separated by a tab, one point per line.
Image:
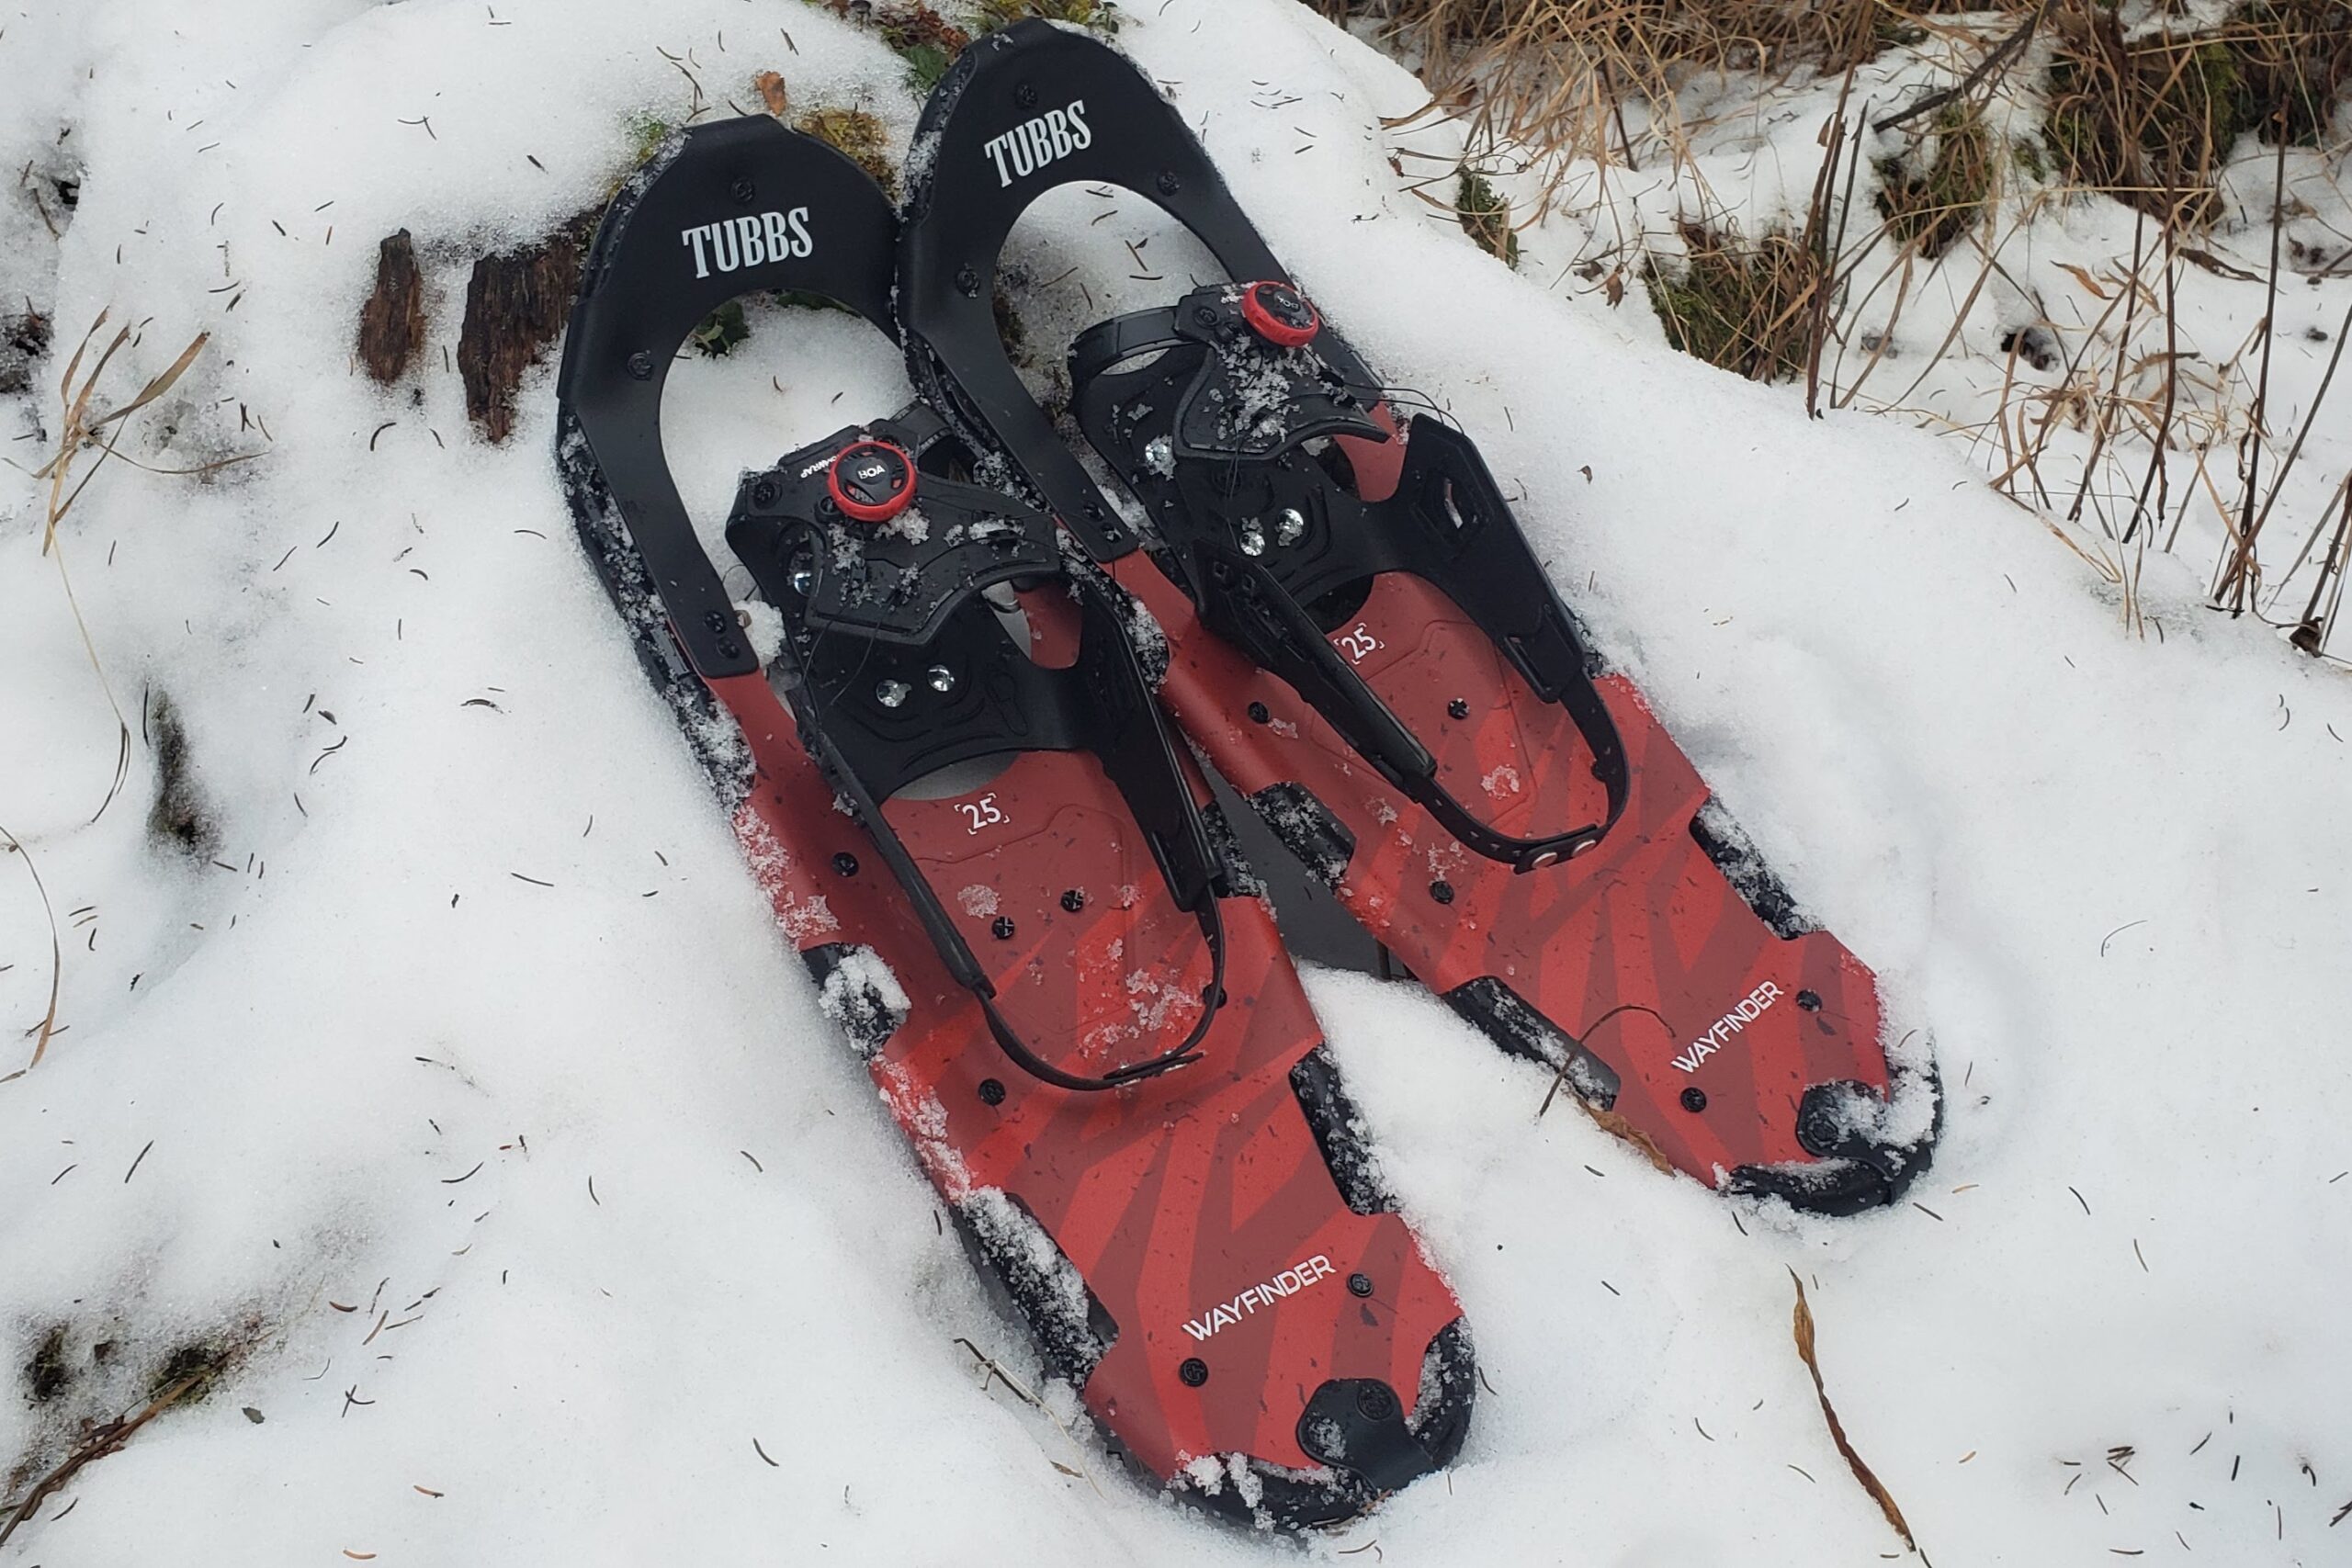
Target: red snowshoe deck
1364	646
1187	1227
1203	1250
1621	947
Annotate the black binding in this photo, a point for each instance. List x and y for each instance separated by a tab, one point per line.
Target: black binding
872	608
820	226
1261	531
966	198
979	166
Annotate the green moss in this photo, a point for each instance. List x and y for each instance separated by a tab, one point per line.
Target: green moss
860	137
721	330
1096	15
645	133
2150	121
1742	310
1934	206
1484	215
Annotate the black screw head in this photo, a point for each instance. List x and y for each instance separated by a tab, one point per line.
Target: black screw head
1168	183
1194	1371
967	282
1073	900
743	190
1442	890
1205	315
1360	1284
764	492
1094	512
1694	1098
641	366
1375	1402
1458	708
1257	713
1809	1000
846	863
991	1092
1025	94
730	649
1001	926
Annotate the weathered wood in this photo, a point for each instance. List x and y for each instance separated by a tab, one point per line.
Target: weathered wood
392	324
516	304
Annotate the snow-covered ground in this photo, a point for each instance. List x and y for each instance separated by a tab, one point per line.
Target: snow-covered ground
2053	336
454	1077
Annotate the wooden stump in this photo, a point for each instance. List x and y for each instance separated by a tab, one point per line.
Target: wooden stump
516	304
392	324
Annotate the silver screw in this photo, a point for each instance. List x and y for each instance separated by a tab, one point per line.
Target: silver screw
803	580
890	694
942	679
1159	456
1291	526
1253	540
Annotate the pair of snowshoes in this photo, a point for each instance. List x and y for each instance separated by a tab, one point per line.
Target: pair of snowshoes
951	731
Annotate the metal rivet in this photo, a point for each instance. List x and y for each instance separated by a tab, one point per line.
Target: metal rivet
1073	900
890	694
1253	541
1458	708
991	1092
846	863
1809	1000
1291	526
1257	713
1442	890
941	678
1168	183
764	493
1001	928
803	580
1375	1402
967	282
1025	95
640	365
1195	1371
1360	1284
1694	1098
743	190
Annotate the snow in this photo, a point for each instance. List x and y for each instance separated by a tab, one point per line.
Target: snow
471	1022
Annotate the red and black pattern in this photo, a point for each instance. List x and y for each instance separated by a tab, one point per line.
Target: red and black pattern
1203	1250
1624	958
1159	1201
1337	595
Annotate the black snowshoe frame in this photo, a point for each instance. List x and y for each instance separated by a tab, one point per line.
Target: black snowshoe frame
757	207
1220	464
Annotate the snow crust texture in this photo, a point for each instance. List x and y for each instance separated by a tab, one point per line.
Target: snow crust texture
432	1067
